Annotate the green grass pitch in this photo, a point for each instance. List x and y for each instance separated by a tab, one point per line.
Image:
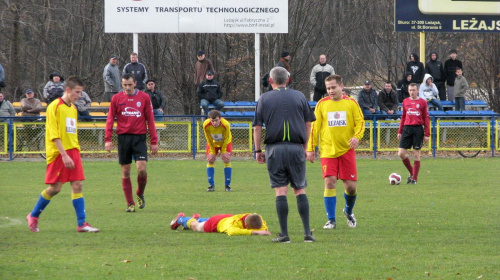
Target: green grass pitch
445	227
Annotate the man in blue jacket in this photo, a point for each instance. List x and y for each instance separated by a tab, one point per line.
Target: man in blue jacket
368	99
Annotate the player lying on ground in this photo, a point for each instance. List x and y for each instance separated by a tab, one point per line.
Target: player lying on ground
240	224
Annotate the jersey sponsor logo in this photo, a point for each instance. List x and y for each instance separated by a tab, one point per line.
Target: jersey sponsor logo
70	125
131	112
413	112
418	106
139	104
337	118
217	137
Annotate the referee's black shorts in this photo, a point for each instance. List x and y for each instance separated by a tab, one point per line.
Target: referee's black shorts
132	145
412	136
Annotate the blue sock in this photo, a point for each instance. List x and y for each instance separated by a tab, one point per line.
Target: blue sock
349	202
227	175
79	205
183	221
39	206
330	205
201	220
210	176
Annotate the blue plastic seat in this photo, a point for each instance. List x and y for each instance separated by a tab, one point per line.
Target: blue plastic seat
453	112
249	113
470	112
478	102
228	103
437	113
243	103
485	112
232	114
447	102
313	103
239	125
254	103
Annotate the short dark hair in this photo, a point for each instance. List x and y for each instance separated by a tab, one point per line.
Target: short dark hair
458	68
413	85
253	221
336	78
214	114
388	82
73	82
134	54
128	76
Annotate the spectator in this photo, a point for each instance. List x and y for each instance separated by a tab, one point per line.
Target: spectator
137	69
403	87
415	67
6	108
287	117
241	224
318	75
2	77
30	106
460	87
157	99
429	92
54	87
435	68
346	92
210	92
285	63
368	100
112	78
201	67
450	66
388	100
82	105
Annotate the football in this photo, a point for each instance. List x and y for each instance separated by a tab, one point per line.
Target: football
394	179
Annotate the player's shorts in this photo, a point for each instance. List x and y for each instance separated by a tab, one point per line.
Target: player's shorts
57	172
343	167
229	149
211	224
412	136
286	164
132	145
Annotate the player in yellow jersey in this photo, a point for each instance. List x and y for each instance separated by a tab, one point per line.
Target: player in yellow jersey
218	134
339	127
241	224
63	156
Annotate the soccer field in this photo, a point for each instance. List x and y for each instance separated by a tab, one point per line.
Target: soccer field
445	227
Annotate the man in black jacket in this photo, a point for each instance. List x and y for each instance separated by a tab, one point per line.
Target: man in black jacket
435	68
210	92
157	99
388	100
450	66
403	87
416	68
137	69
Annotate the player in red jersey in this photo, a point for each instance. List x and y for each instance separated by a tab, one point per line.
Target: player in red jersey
414	128
134	115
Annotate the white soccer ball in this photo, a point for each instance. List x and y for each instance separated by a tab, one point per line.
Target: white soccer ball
395	179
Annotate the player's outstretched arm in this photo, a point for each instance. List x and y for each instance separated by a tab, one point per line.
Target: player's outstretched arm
261	232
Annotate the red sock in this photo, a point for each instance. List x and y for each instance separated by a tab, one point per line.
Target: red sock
416	168
127	191
407	163
141	182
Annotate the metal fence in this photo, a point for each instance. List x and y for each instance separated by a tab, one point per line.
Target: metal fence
183	135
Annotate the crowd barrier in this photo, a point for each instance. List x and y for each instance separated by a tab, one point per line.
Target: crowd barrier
183	135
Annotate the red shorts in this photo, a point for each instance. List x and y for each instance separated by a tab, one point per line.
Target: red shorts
229	149
211	224
343	167
57	172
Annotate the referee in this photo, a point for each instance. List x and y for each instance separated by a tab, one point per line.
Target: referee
287	117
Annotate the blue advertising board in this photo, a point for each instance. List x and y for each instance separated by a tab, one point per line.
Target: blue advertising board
447	15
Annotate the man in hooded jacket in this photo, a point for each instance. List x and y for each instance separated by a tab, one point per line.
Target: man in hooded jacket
435	68
416	68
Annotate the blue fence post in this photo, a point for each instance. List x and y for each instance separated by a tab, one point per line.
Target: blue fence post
433	135
375	125
493	135
10	138
193	135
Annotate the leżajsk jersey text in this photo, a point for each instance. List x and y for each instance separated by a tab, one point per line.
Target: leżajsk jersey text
217	137
336	123
61	123
131	112
415	112
235	225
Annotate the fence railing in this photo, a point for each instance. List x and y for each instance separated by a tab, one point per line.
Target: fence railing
183	135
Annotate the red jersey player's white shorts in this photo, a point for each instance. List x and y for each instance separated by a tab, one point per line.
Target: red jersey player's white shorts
57	172
343	167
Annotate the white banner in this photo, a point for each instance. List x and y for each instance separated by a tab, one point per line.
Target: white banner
196	16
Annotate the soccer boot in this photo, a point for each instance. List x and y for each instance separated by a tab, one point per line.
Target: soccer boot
130	208
309	238
330	225
281	239
174	224
196	216
211	188
32	223
410	178
413	182
141	202
228	189
351	221
86	227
